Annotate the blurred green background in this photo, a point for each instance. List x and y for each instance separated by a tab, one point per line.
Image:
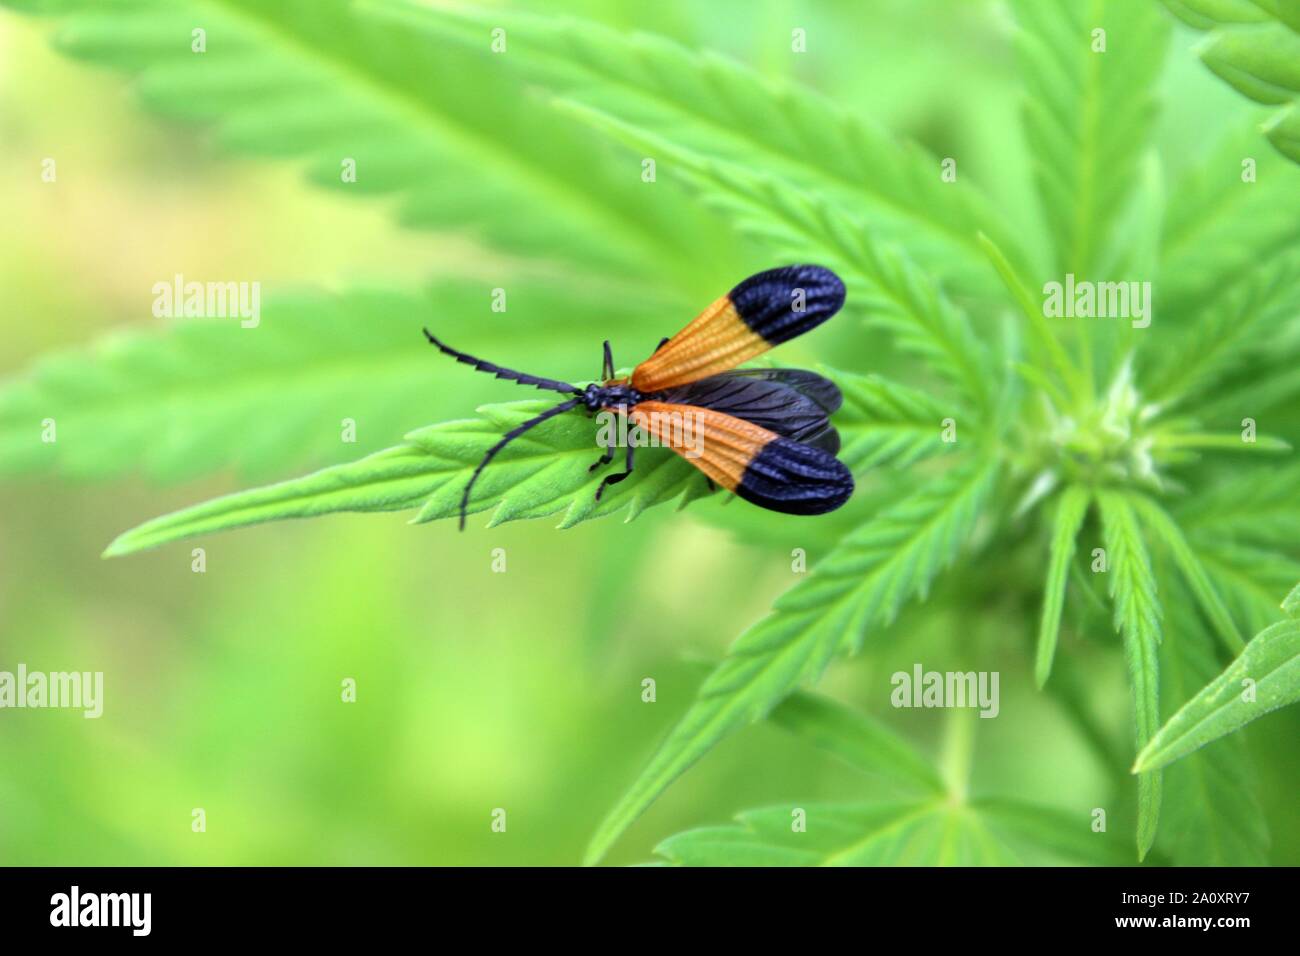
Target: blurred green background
476	690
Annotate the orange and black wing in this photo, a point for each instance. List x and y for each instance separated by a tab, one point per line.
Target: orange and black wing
759	465
765	310
792	402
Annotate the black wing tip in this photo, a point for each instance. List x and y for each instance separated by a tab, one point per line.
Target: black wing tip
803	505
830	285
766	301
797	479
799	274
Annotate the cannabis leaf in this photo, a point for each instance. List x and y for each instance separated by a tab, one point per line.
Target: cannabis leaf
1246	507
207	394
1254	47
934	828
888	287
390	111
1063	835
1070	512
543	473
1137	618
918	833
1264	677
1165	529
1090	71
289	80
860	585
1220	225
709	104
542	165
884	422
859	741
1210	811
1251	578
1244	530
1244	323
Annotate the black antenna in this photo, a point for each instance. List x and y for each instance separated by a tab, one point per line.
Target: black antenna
549	384
506	439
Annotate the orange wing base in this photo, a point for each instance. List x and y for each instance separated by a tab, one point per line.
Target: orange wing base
716	340
726	445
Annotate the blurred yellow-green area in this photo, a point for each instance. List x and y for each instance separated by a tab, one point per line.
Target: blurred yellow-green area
476	690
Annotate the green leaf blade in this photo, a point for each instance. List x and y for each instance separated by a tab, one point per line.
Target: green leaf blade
539	475
390	480
1070	512
1137	618
859	741
985	832
883	422
290	80
860	584
708	104
1090	116
1254	48
1271	661
836	834
887	285
1069	837
1211	811
1166	530
1260	61
199	395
